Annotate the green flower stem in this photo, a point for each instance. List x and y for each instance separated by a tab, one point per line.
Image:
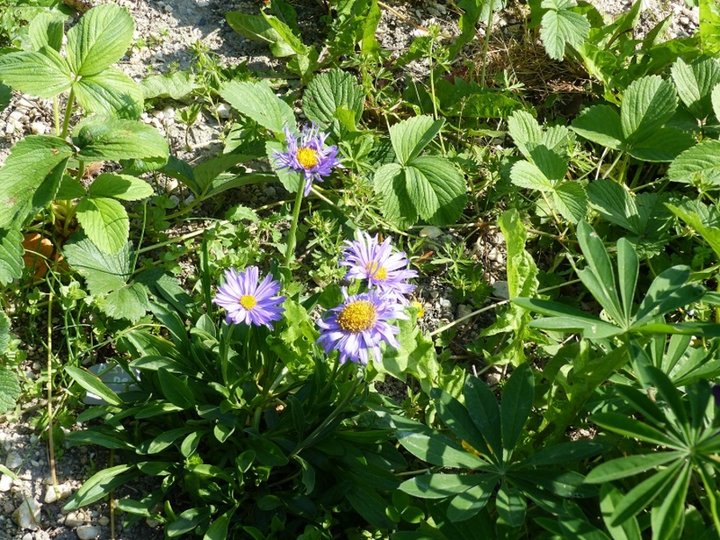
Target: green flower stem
291	240
68	114
56	116
486	43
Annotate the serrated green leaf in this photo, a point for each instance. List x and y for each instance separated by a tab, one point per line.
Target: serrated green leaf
175	85
115	139
330	92
129	302
571	201
560	27
11	255
23	177
103	272
46	30
411	136
698	165
10	389
714	98
436	189
711	235
527	175
661	145
105	221
614	203
100	39
120	186
389	183
257	101
600	124
695	82
525	131
110	93
43	74
647	104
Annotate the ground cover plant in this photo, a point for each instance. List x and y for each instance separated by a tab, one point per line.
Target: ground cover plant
463	288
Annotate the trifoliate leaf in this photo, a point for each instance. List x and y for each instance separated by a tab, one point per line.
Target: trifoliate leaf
561	27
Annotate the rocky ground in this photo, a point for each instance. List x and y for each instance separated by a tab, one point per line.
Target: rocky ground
167	32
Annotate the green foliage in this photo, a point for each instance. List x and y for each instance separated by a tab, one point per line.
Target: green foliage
487	437
417	187
561	27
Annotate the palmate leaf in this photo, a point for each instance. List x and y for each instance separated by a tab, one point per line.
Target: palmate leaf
484	412
100	39
560	27
456	417
623	467
464	506
511	505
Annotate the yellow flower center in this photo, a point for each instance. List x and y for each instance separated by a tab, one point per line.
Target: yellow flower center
420	309
248	301
376	271
307	157
357	316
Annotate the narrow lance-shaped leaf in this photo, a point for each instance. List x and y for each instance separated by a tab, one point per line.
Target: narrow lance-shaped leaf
517	399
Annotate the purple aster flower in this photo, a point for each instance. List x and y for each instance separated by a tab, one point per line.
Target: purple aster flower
248	300
380	264
357	327
309	154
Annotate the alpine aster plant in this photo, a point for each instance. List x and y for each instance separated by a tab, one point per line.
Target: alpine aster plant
248	300
308	154
358	326
382	266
